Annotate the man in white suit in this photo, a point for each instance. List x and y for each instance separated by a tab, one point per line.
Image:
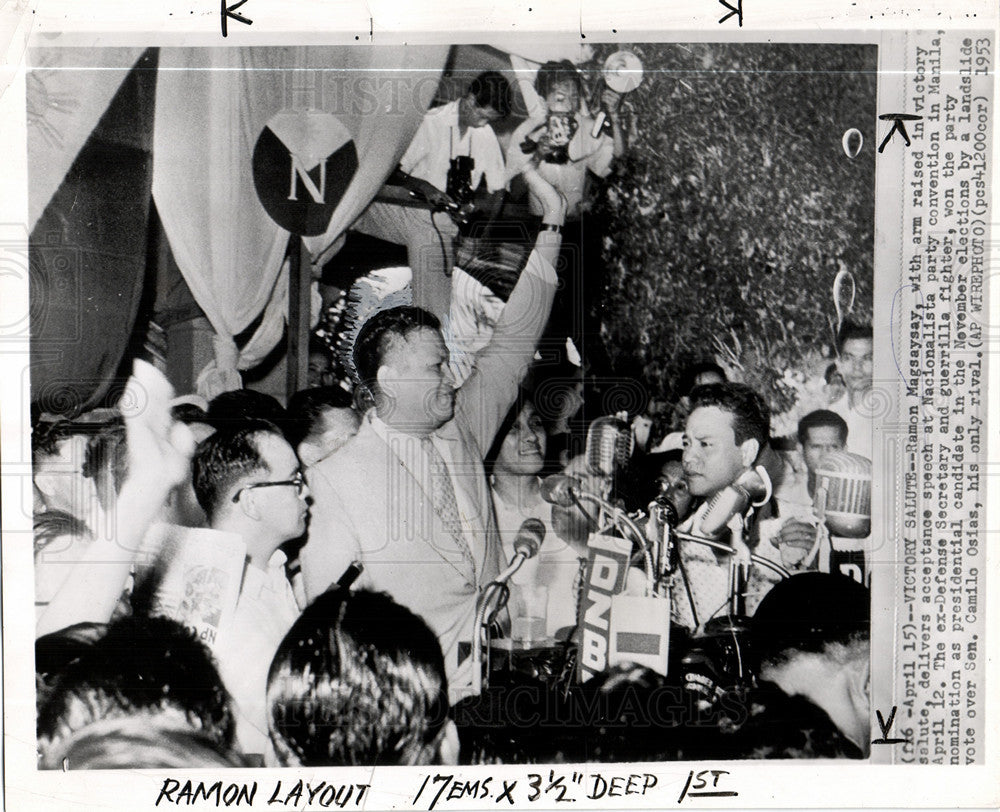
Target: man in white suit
408	496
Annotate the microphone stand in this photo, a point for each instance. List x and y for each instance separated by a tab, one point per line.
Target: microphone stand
493	588
619	516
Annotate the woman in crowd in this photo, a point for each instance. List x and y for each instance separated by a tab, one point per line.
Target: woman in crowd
545	586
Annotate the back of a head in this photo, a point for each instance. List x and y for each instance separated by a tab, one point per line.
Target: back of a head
808	613
357	680
56	651
150	669
694	374
138	743
232	409
306	409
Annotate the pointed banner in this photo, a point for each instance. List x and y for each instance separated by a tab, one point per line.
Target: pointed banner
67	90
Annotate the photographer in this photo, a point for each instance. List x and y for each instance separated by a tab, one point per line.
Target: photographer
457	131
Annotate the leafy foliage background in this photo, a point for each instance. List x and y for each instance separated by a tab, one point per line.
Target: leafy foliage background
736	205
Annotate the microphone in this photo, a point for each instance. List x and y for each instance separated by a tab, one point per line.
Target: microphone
527	542
557	489
350	575
529	538
752	487
599	120
843	496
609	445
665	511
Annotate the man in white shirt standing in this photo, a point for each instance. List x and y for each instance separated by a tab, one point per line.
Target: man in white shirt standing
458	128
855	346
247	479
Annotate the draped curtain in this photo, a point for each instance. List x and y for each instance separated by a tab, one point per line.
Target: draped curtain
67	91
211	106
89	175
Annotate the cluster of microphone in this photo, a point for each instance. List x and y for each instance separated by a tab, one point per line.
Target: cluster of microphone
842	499
842	502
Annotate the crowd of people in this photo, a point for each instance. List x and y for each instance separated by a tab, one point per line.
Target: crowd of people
369	526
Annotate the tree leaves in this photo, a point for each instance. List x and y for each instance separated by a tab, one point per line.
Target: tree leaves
734	206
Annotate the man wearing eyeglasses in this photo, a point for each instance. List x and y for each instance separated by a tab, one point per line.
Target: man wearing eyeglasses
248	482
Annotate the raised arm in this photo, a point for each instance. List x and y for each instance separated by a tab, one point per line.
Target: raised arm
525	74
490	391
159	457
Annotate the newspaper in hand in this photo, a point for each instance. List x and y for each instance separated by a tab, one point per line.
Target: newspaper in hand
198	572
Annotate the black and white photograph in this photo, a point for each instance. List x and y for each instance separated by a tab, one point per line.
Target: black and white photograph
514	409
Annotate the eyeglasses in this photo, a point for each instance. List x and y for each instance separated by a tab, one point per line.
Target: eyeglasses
298	482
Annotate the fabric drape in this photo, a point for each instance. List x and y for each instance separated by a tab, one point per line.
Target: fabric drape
67	91
212	105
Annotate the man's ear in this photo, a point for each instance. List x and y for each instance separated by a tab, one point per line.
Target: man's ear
248	504
749	449
385	377
309	453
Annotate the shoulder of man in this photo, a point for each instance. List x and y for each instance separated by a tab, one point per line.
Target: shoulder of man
442	110
347	458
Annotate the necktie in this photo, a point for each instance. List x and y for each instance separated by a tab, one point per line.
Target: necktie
445	503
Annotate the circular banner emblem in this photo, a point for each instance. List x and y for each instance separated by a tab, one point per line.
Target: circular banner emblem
302	165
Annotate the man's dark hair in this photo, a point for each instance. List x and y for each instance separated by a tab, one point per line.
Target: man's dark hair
554	73
691	373
628	713
491	89
306	408
377	334
50	525
357	680
232	409
222	460
751	416
851	330
822	417
188	413
46	435
810	612
54	652
142	667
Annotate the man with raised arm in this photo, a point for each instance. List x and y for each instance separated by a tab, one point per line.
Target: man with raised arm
408	496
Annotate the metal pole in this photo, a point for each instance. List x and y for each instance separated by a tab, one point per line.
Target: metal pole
297	356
